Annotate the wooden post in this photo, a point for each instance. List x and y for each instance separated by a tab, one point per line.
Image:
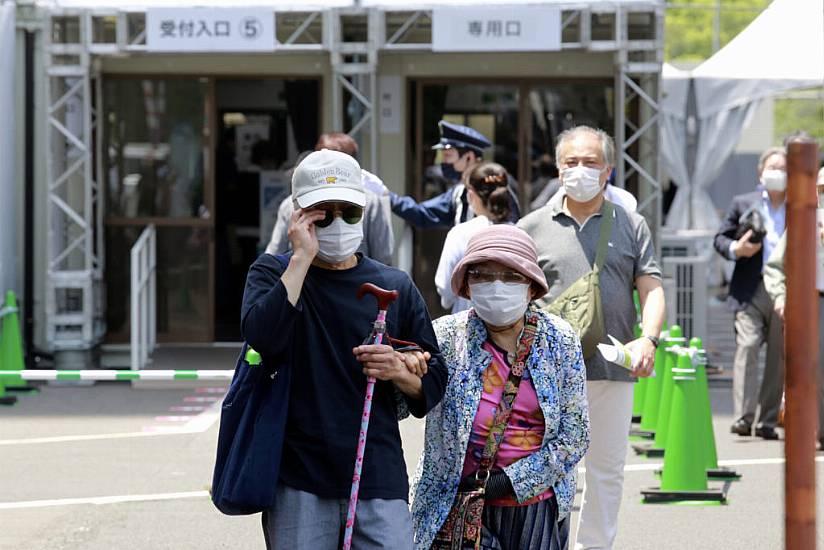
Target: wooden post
801	348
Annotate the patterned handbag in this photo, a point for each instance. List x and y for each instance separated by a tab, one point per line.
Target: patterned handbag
463	525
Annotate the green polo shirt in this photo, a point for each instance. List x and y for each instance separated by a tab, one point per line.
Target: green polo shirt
566	252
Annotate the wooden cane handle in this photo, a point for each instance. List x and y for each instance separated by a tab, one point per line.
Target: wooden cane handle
384	297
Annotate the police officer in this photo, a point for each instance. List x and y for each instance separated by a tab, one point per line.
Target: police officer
463	149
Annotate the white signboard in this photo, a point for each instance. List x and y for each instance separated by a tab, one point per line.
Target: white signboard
210	30
246	137
496	29
389	89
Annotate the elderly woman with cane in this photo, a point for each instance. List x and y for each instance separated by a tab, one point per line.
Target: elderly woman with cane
501	449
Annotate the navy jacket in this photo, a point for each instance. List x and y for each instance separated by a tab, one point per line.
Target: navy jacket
747	273
442	210
314	340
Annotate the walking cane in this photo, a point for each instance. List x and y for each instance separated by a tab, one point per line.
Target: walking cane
384	297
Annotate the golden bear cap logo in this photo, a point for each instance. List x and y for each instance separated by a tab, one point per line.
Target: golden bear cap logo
331	179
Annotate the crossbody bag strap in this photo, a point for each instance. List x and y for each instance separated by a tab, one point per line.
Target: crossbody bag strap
606	232
504	410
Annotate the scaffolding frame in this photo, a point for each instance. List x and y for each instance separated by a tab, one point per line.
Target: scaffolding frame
354	38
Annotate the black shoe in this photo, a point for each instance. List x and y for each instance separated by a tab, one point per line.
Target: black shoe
766	432
741	427
821	444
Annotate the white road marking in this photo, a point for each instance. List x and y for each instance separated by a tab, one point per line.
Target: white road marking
212	390
652	466
100	500
197	424
201	399
205	494
175	418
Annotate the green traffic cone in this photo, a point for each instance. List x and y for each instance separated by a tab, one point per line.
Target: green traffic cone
674	339
638	396
652	394
684	477
683	461
707	440
11	349
11	353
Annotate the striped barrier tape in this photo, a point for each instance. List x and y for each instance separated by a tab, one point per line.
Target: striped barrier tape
116	375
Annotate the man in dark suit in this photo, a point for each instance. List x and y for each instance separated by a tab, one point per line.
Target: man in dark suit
751	229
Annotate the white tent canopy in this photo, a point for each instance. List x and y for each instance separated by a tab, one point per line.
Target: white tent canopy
782	49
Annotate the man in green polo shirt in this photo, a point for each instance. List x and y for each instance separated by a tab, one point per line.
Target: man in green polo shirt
566	232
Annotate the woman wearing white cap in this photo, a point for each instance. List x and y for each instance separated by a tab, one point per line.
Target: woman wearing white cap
301	312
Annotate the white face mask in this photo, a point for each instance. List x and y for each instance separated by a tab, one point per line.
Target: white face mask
581	183
774	180
338	240
499	304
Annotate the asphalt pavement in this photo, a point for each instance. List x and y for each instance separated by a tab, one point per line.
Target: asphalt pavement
112	467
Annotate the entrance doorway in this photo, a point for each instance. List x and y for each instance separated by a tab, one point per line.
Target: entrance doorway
205	161
262	127
521	118
155	170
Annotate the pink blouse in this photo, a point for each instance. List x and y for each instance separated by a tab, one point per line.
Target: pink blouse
524	432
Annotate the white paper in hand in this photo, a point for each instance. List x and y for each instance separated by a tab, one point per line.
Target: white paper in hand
617	353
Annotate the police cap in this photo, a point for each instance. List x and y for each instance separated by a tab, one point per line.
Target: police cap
461	137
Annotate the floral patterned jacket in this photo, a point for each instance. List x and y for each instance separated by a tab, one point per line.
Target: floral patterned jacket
557	370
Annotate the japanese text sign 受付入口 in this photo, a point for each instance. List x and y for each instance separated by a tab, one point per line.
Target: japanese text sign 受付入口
210	30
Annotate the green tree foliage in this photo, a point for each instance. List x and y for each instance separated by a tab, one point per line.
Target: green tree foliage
689	26
790	115
688	38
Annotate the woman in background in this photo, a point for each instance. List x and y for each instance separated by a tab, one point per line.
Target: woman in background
491	201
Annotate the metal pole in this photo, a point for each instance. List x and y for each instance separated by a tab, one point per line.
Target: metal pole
28	204
716	27
801	348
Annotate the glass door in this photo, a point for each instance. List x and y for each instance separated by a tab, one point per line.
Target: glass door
156	169
493	110
521	118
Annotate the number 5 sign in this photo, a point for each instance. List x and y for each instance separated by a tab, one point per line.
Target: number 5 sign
210	30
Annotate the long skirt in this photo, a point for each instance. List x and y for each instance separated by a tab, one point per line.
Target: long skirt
533	527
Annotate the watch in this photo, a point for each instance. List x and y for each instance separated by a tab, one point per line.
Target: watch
655	341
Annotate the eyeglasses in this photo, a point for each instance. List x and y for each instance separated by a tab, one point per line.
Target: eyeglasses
350	213
588	162
483	276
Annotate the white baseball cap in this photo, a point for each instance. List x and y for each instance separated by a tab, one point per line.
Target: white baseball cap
325	176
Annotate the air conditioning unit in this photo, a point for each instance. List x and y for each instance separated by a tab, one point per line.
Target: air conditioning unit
686	292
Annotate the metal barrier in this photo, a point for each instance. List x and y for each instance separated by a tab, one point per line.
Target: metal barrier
144	302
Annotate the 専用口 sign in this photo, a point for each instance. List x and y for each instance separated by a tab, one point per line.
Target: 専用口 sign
494	29
210	30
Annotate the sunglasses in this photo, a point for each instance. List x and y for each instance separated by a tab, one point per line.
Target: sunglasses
350	213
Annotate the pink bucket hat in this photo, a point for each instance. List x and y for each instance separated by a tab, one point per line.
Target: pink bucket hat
507	245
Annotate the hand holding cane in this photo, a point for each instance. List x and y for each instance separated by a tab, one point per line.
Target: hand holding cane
385	298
